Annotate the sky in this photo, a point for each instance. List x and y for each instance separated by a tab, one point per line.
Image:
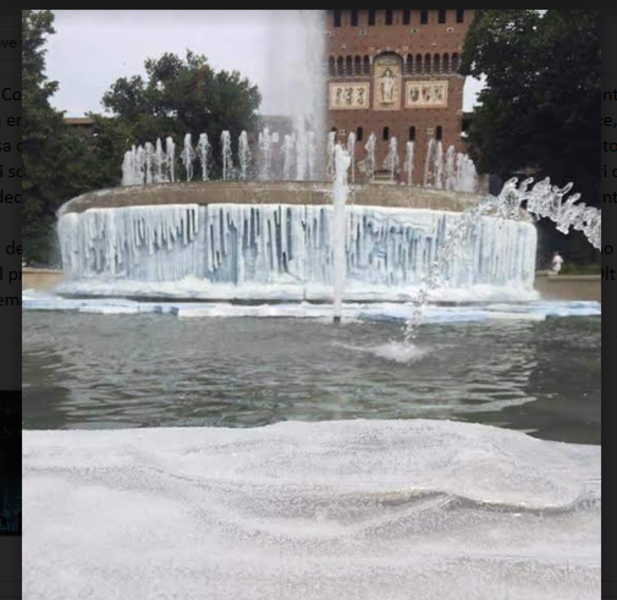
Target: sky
93	48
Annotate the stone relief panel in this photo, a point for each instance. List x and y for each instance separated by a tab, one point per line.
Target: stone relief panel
349	96
388	69
426	94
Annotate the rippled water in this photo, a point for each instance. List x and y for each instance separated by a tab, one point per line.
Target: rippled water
102	371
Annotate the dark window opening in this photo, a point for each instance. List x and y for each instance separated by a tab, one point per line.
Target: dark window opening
436	63
371	17
359	134
427	63
354	18
412	134
348	65
385	134
357	66
423	16
454	63
337	18
389	17
406	16
460	15
331	65
333	129
438	133
367	65
409	64
418	63
442	15
445	65
339	66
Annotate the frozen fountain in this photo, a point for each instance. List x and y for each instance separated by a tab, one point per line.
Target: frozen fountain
392	160
244	156
203	151
342	161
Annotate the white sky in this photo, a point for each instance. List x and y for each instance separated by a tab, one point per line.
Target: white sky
93	48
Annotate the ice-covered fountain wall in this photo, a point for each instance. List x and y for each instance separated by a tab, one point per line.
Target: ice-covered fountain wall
268	250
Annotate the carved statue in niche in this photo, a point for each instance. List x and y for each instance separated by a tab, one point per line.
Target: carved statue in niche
387	87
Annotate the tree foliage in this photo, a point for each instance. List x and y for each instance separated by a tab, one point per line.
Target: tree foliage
176	97
538	112
41	133
180	96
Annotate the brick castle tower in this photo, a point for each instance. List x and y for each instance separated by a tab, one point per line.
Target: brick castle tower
395	73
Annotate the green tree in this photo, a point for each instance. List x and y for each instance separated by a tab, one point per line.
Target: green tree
538	112
42	130
180	96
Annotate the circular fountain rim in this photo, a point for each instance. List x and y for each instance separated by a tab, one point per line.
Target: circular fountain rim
269	192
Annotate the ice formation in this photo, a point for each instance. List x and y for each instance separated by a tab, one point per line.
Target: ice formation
384	510
243	244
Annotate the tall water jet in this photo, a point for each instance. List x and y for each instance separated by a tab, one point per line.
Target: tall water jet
288	149
244	155
450	170
170	153
467	176
264	141
428	162
330	149
128	168
226	155
301	70
367	166
188	156
311	155
342	160
203	151
159	162
408	167
392	160
351	149
149	153
438	166
140	164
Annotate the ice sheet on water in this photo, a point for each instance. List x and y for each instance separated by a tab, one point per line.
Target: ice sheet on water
358	509
376	311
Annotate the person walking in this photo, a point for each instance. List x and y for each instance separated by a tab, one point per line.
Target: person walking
556	263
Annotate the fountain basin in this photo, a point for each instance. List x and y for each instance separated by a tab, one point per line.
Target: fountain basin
236	241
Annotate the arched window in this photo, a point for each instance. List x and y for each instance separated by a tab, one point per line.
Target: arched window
460	15
412	134
359	134
454	63
367	65
389	16
406	16
349	66
357	67
427	63
331	66
409	64
371	17
385	134
354	18
423	16
445	65
442	15
337	18
437	63
438	133
340	66
419	63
